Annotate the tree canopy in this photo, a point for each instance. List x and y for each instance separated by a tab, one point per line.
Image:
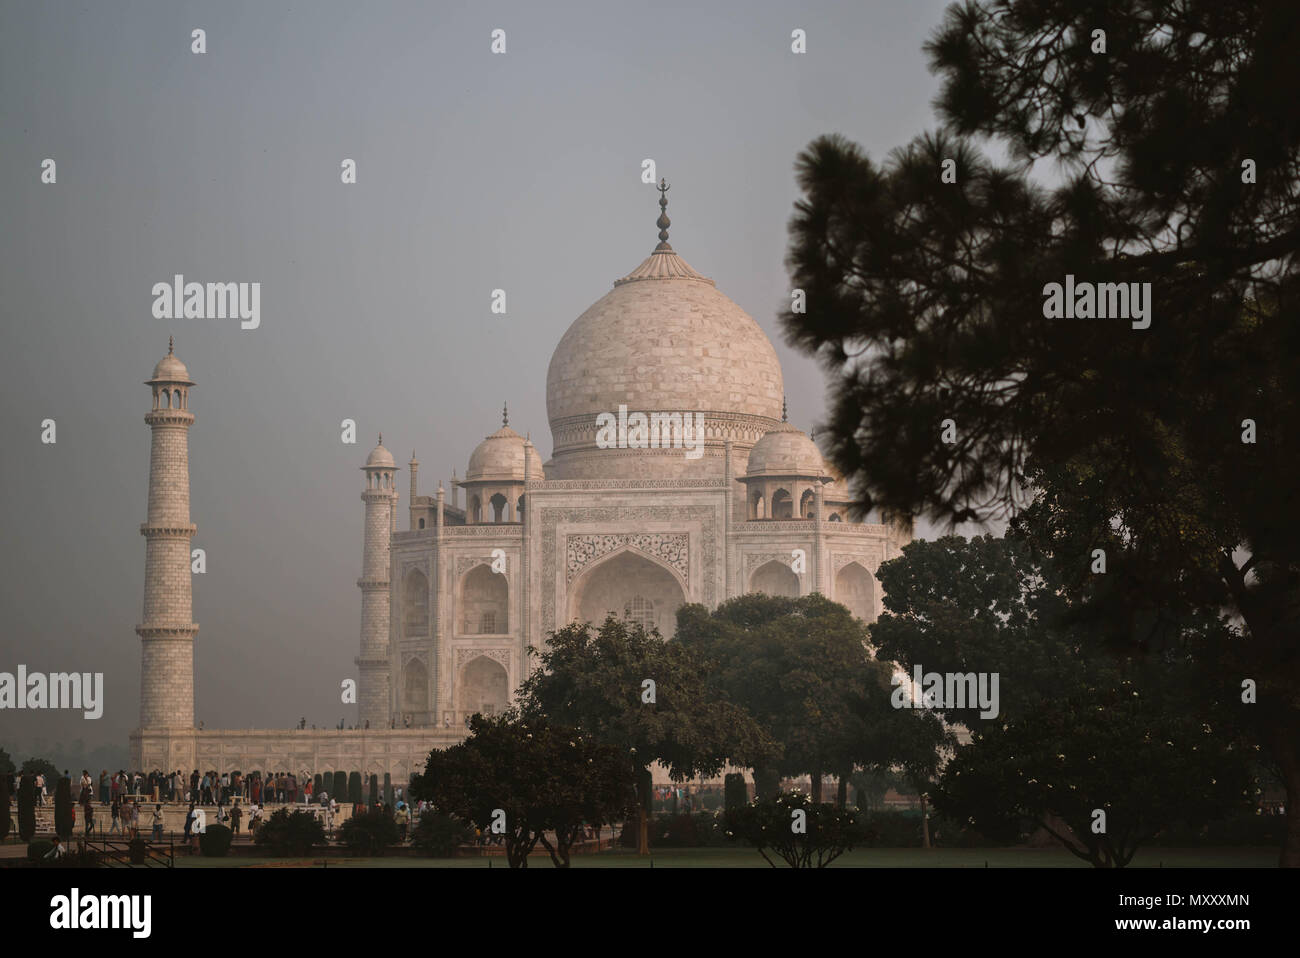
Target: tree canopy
1141	142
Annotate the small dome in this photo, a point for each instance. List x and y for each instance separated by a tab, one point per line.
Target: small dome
501	457
170	369
785	451
379	456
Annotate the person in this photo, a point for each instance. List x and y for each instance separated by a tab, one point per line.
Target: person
103	787
329	818
189	824
57	851
115	811
402	818
135	818
86	794
40	789
90	819
236	813
157	823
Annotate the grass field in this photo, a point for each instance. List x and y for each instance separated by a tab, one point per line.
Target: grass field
746	858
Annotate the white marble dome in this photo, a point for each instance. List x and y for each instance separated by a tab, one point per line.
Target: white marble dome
379	457
785	451
170	370
664	339
501	456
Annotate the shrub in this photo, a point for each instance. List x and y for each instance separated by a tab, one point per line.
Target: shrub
317	785
438	835
6	822
369	834
27	808
736	792
63	808
291	833
374	790
769	826
215	841
354	788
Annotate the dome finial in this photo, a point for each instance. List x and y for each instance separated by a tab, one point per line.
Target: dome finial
663	222
784	416
505	414
170	343
381	439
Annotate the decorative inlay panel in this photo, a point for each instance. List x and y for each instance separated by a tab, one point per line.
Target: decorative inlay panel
466	655
707	518
670	547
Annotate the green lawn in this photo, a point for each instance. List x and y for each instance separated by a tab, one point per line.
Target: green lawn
1262	857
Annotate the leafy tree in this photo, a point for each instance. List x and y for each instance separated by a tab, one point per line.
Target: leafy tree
26	806
7	766
528	777
317	785
439	835
801	832
63	808
291	832
1109	749
798	666
374	790
594	681
927	299
370	833
41	766
986	605
340	789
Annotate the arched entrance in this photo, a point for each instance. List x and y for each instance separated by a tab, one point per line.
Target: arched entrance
775	578
855	588
630	585
484	601
484	687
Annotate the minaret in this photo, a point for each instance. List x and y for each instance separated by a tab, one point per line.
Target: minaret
415	468
167	630
379	495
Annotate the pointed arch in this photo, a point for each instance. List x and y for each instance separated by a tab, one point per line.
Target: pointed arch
855	588
626	578
775	578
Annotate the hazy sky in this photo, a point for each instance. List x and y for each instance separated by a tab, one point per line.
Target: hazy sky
475	171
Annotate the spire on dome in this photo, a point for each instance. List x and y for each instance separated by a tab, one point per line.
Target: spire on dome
663	222
505	414
170	344
784	415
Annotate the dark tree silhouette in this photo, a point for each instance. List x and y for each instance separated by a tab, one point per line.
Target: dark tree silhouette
1171	160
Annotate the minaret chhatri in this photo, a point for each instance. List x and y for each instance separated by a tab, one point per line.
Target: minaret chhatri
167	632
380	497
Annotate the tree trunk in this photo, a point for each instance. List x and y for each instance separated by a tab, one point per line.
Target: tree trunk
642	826
925	823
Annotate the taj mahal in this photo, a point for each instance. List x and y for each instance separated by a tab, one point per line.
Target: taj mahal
518	547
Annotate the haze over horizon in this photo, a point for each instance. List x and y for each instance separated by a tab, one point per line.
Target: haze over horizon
474	172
